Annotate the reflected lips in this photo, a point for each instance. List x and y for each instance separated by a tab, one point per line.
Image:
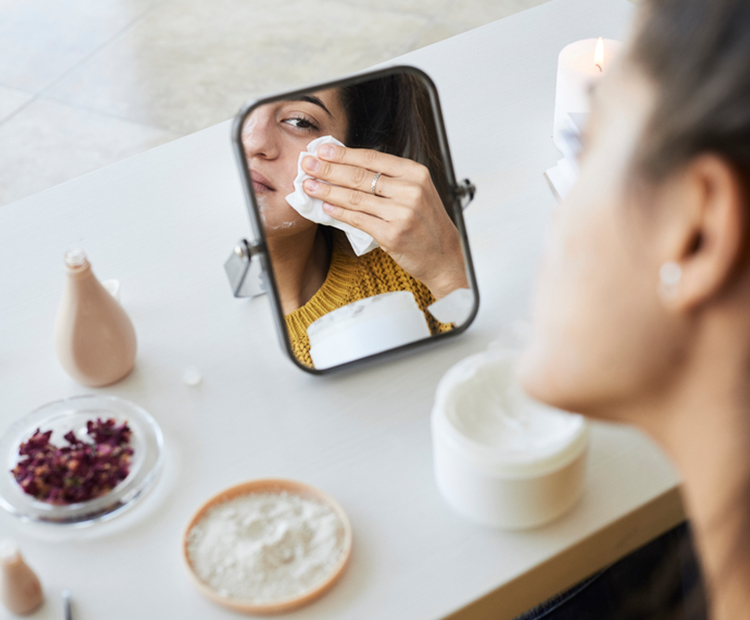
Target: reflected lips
260	183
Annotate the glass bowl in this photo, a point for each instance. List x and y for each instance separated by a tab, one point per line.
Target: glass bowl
71	414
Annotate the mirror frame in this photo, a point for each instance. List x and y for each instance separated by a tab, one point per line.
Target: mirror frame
260	248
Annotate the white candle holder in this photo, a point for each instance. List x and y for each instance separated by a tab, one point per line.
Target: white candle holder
578	66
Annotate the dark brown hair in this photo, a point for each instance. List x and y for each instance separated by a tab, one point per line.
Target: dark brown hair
393	114
697	52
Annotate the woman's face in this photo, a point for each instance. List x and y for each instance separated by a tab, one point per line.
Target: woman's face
273	136
600	333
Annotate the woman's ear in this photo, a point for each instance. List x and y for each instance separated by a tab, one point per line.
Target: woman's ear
709	199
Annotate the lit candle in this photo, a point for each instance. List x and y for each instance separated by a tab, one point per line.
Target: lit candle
578	65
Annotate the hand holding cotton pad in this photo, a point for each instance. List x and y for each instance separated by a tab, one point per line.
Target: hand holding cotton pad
312	208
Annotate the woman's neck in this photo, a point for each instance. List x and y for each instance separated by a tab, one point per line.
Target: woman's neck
300	265
705	429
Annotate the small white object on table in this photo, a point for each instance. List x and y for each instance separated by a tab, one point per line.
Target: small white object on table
163	223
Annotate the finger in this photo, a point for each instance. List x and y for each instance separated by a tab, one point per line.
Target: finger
344	175
366	158
365	222
351	199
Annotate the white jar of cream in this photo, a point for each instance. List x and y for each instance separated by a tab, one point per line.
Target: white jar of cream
501	458
366	327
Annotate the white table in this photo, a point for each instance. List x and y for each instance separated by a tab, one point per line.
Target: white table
163	223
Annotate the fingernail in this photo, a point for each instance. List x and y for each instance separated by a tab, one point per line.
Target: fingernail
327	207
311	185
311	164
327	150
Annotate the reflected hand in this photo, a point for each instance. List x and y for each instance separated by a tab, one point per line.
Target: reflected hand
405	215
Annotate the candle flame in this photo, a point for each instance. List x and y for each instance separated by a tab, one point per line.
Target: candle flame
599	54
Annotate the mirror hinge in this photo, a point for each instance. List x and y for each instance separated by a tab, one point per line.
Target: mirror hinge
464	193
245	271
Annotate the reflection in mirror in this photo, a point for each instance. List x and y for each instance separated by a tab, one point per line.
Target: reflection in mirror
354	198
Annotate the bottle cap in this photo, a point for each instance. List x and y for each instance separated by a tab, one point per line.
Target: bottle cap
8	552
75	257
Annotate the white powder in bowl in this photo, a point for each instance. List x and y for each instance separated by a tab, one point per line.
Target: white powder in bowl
266	547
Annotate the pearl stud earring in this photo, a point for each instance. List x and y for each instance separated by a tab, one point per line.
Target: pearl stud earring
670	274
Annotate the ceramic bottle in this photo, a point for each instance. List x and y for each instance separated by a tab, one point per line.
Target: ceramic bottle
94	338
20	590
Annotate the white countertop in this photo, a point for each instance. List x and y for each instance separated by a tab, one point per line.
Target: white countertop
164	222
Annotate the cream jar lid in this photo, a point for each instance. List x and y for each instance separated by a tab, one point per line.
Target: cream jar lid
483	414
361	312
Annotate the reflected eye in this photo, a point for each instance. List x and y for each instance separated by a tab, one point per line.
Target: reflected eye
303	123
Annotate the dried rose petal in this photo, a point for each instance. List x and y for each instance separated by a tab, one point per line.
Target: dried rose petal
79	471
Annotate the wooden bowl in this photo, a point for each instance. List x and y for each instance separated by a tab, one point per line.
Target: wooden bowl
269	486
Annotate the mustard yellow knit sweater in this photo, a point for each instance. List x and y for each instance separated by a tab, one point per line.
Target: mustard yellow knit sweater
349	279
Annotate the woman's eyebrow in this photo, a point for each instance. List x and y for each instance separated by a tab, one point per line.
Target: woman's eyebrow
315	100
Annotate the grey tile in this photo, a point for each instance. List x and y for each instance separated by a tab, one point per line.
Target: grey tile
428	8
41	39
47	143
10	101
469	14
463	15
435	32
192	63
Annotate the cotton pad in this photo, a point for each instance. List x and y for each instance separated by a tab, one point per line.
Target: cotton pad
312	208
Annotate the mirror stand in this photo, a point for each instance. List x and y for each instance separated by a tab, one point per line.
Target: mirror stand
245	271
464	193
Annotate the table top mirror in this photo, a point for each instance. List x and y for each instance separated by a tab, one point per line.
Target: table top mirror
359	239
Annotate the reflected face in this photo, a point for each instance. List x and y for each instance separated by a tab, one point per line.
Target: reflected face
273	137
599	328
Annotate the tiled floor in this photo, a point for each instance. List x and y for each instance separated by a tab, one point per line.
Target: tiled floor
84	83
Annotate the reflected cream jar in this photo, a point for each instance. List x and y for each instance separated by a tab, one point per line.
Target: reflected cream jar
501	458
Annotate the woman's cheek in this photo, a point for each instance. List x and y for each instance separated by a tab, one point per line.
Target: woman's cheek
555	367
542	362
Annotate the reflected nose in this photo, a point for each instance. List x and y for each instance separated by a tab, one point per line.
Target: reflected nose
259	137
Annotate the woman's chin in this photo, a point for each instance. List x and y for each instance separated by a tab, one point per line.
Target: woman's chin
530	375
541	379
278	229
284	226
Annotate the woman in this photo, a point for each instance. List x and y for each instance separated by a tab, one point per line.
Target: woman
642	313
391	185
